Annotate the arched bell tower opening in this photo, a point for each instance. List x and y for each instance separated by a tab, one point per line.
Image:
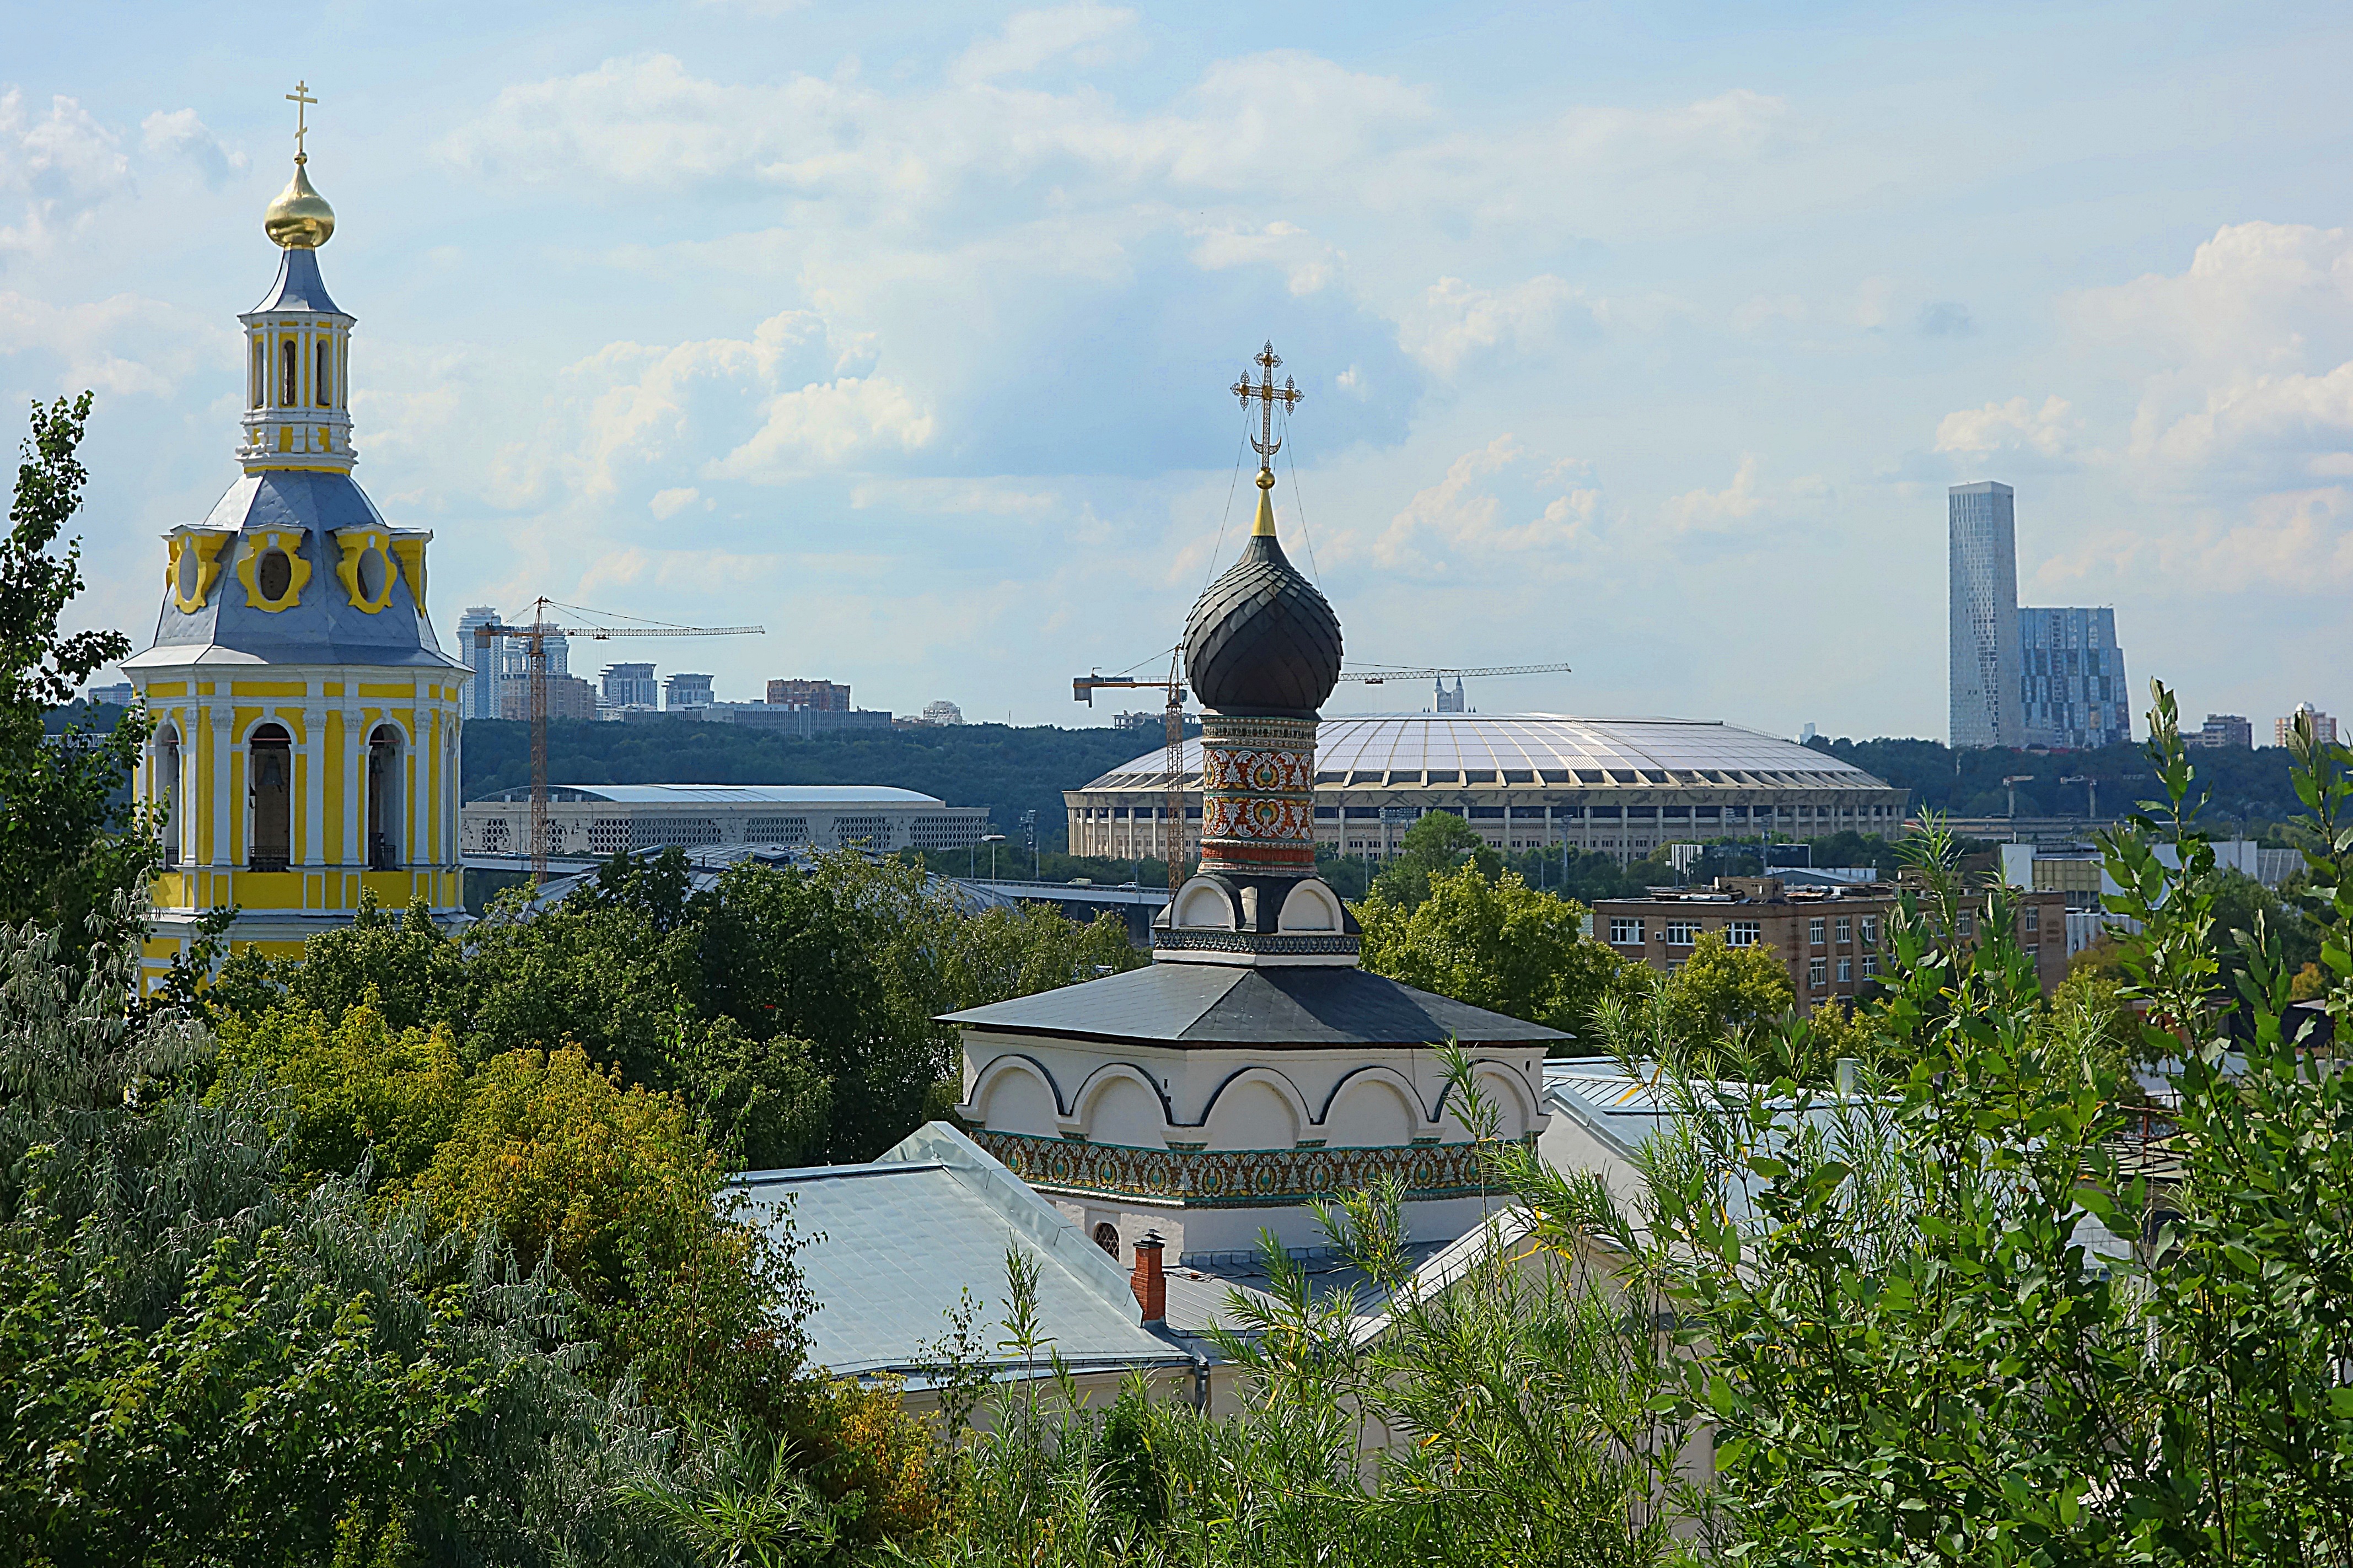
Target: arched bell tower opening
166	790
270	771
384	817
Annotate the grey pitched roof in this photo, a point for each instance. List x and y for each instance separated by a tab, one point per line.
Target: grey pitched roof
890	1248
1233	1004
324	628
299	285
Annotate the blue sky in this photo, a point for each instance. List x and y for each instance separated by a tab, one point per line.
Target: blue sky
1645	337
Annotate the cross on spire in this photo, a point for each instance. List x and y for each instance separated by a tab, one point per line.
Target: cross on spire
1266	395
300	98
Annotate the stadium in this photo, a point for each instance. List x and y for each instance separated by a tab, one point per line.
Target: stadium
1525	781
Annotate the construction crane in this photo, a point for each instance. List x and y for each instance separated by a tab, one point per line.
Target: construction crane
2011	782
533	635
1375	676
1083	688
2092	792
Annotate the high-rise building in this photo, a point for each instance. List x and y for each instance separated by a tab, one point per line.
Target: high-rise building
2324	728
568	697
825	696
1983	672
479	698
683	691
629	686
2223	730
2072	687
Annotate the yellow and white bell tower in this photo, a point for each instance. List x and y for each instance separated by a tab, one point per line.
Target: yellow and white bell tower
306	744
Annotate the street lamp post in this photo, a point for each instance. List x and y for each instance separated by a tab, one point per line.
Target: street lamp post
992	840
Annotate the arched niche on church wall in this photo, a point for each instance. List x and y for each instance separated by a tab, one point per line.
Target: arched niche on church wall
1256	1109
1503	1089
1374	1110
1012	1094
1117	1106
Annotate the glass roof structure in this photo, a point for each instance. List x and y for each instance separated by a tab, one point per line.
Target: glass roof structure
1538	749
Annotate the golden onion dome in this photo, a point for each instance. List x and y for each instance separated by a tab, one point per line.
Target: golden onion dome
300	219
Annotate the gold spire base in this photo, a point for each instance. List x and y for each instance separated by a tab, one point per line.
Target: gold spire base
1265	523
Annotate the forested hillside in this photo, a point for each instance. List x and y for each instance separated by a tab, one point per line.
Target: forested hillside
2240	786
1009	770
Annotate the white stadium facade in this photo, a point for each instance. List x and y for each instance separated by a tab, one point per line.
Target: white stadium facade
1525	781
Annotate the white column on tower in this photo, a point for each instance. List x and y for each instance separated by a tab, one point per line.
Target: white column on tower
314	774
219	710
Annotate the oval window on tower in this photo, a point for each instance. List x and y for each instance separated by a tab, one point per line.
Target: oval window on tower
191	570
274	574
370	572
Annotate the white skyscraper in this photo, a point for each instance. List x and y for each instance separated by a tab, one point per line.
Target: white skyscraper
1984	674
479	698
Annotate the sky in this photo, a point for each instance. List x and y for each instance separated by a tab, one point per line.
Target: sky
1645	337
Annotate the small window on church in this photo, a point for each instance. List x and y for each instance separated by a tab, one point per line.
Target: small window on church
286	391
1107	1237
269	784
274	575
370	573
321	383
259	380
192	571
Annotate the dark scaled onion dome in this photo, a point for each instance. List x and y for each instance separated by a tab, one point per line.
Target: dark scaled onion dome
1261	639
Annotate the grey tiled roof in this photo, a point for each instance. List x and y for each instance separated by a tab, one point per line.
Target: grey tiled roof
892	1245
1218	1004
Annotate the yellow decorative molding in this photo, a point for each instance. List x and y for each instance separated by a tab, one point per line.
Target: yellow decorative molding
206	543
356	543
410	548
289	540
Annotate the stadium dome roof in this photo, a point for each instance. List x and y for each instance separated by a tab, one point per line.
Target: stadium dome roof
1372	749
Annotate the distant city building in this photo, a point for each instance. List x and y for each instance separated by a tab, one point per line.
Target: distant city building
2223	730
601	820
629	686
568	696
1830	941
825	696
118	695
2072	687
683	691
1451	702
2324	728
943	713
1983	668
1153	719
479	698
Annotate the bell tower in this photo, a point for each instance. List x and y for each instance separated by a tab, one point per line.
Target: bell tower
306	745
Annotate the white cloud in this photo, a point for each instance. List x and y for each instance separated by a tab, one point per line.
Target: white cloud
2012	426
61	165
94	343
1085	34
1719	511
181	134
1456	324
1461	519
669	503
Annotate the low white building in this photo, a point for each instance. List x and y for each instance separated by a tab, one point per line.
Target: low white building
601	820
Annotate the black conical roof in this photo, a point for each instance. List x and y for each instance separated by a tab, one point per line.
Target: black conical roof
1261	639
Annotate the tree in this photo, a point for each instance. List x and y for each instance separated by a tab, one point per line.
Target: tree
352	1088
1724	992
1497	944
1437	843
70	838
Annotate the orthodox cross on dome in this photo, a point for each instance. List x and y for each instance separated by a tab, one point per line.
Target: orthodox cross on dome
1267	395
300	98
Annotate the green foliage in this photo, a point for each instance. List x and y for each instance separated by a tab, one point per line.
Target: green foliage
70	838
1723	990
791	1009
1437	843
1497	944
351	1088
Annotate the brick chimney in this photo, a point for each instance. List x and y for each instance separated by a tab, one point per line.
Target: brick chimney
1150	1285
